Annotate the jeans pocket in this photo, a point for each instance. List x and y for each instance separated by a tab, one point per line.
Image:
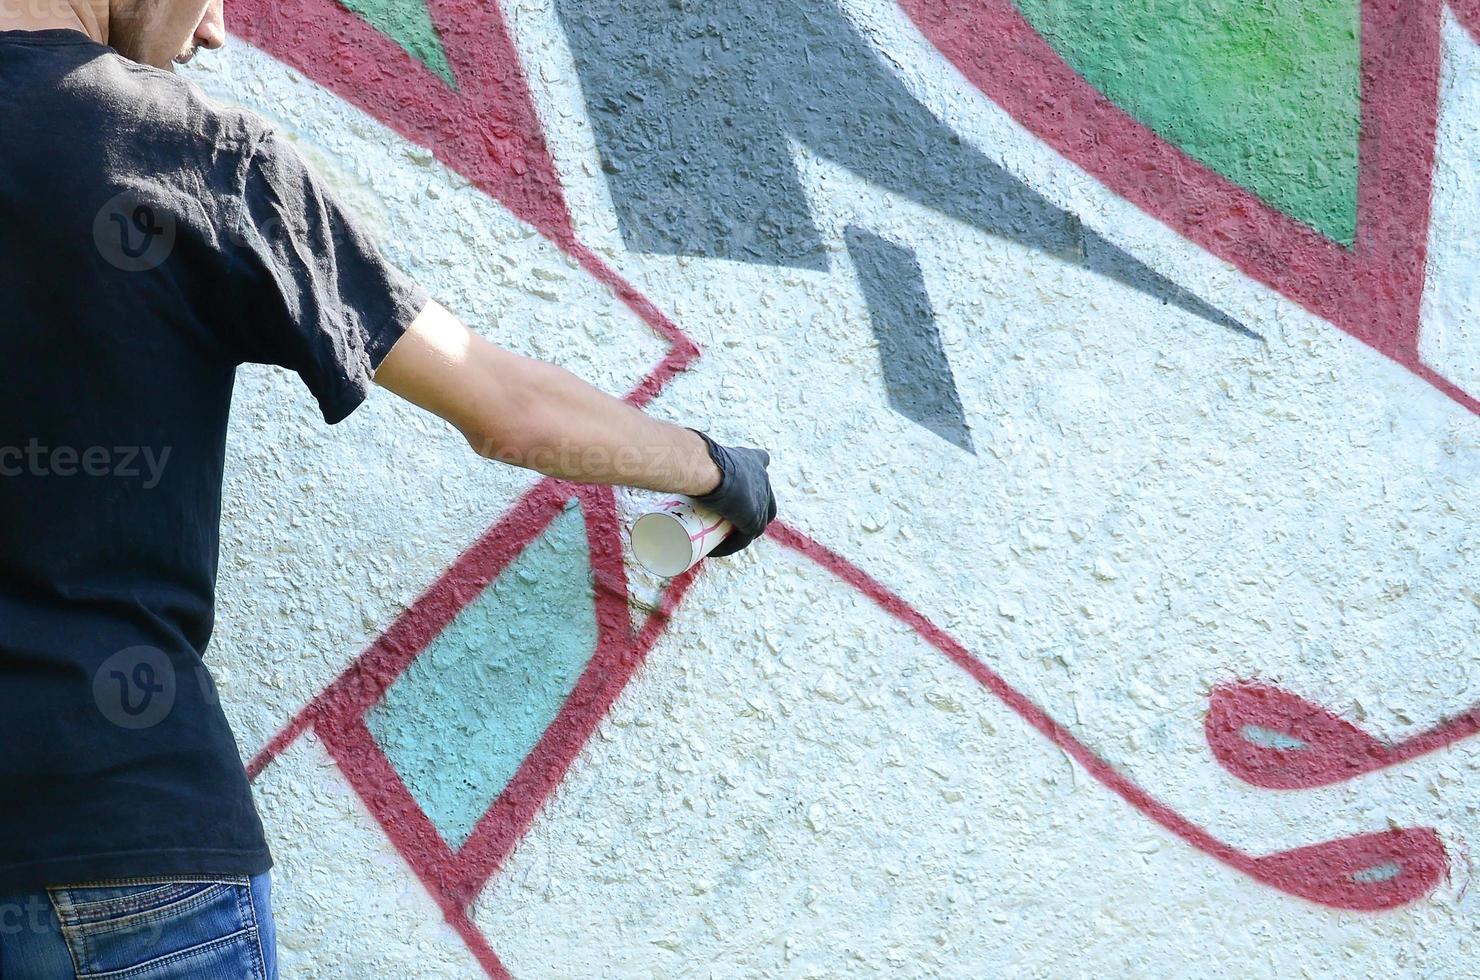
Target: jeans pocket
161	928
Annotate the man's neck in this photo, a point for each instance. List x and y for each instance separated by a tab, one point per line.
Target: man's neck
88	16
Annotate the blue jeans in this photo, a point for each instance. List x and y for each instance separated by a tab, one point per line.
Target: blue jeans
201	927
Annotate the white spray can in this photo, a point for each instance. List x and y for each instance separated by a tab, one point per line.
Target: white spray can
670	540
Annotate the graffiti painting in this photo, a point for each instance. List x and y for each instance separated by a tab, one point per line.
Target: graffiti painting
1121	360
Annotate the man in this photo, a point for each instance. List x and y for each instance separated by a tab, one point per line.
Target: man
150	243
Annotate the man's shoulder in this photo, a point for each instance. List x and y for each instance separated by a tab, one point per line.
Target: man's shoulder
161	109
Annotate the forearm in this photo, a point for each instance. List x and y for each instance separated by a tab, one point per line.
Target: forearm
537	415
561	426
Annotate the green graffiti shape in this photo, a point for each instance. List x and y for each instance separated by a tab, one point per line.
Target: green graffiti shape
409	24
1266	92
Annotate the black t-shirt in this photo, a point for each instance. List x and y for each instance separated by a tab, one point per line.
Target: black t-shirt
150	241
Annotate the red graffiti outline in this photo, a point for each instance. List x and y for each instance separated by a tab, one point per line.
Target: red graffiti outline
1372	292
337	715
1332	749
488	130
1467	12
1320	873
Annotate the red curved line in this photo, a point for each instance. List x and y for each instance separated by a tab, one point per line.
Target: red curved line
1441	736
1334	750
1019	703
1422	847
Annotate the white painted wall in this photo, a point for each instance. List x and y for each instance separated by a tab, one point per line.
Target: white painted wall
797	785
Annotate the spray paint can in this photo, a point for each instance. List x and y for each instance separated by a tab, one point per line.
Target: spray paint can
671	539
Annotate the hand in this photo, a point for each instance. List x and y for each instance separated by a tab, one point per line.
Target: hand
743	496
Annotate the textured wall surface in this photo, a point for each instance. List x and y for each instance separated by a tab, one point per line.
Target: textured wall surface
1119	367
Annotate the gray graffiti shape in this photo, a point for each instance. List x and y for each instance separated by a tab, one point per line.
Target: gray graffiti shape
917	376
693	102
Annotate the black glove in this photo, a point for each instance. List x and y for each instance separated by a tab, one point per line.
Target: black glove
743	496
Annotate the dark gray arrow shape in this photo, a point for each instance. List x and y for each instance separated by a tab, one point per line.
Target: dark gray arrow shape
693	102
917	376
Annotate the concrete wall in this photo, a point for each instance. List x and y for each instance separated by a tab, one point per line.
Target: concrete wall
1118	366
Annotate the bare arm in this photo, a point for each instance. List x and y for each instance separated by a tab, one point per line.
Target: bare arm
534	414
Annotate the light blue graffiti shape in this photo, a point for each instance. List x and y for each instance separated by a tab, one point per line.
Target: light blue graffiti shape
458	723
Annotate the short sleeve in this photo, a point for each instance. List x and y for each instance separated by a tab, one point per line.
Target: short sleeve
309	290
